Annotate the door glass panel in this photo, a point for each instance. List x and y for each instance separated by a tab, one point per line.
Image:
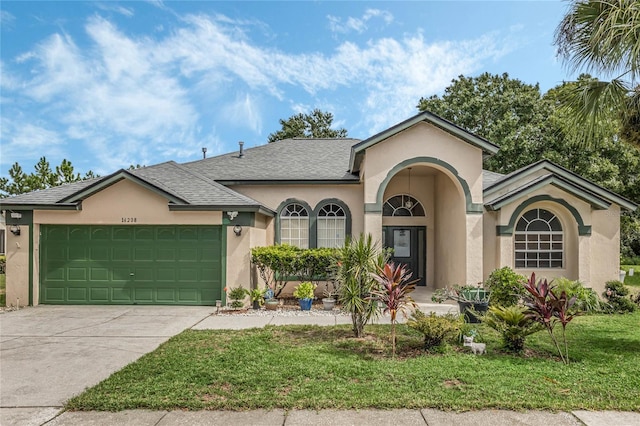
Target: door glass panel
402	243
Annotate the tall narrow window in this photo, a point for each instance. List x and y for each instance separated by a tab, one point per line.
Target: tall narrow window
332	224
294	225
539	240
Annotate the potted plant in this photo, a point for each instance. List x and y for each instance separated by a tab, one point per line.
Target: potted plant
257	297
237	295
330	292
472	300
304	292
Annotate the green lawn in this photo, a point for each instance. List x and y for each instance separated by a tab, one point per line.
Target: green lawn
324	367
635	279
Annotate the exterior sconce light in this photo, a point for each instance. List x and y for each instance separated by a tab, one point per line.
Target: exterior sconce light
15	230
237	230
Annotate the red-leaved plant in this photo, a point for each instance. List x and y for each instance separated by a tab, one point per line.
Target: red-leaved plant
548	308
393	293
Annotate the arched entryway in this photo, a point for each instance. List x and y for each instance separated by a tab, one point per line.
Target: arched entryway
424	208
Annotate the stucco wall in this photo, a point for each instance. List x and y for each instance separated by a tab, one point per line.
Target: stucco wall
422	140
17	272
605	247
273	195
450	235
491	247
126	199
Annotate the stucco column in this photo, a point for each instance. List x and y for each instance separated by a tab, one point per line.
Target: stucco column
373	226
584	260
474	248
505	251
18	267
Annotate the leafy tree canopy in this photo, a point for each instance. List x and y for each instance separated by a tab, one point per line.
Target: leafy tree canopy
43	177
314	125
529	127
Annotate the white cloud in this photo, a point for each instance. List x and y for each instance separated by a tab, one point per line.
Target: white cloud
6	18
109	7
130	99
359	25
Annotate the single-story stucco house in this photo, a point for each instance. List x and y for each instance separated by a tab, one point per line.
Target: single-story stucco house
179	233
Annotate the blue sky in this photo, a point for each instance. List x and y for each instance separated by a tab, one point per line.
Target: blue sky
108	84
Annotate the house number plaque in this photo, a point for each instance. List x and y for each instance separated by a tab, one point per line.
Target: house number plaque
129	219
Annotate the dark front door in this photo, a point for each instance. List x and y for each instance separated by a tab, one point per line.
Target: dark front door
408	244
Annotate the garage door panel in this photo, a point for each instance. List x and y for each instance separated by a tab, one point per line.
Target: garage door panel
77	294
99	294
130	264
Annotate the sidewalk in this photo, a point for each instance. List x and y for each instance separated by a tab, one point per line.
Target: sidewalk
323	417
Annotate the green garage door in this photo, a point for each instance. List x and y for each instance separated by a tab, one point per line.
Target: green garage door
130	264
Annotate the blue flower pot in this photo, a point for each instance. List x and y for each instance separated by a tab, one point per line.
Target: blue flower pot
305	304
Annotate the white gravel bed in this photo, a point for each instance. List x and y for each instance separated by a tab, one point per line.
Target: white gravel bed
282	312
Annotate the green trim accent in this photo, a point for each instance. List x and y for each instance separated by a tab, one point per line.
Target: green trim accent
223	264
353	181
543	181
31	245
115	178
428	117
507	230
201	207
65	206
341	203
372	208
243	219
312	229
471	207
26	219
566	174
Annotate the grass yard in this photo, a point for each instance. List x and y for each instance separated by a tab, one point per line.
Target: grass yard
324	367
635	279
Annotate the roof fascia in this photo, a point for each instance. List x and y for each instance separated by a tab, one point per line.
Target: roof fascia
569	176
358	149
220	207
288	182
115	178
577	191
62	206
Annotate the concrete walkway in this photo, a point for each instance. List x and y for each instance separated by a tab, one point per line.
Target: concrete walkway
48	354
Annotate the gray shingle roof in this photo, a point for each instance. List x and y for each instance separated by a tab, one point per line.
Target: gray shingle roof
489	178
50	195
191	186
297	159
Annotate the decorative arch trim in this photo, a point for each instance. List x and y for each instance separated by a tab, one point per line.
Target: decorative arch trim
312	227
507	230
340	203
471	207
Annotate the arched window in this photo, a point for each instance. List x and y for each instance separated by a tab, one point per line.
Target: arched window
402	205
332	225
539	241
294	225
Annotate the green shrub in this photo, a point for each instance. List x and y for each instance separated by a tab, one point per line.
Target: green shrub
513	324
630	260
506	287
237	295
304	290
617	298
436	329
276	264
587	300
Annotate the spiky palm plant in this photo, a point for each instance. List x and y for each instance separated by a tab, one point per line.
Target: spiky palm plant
513	324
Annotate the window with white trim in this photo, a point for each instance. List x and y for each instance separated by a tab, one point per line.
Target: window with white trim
332	225
402	205
539	240
294	225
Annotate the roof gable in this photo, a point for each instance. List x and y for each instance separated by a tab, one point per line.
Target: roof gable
357	151
577	183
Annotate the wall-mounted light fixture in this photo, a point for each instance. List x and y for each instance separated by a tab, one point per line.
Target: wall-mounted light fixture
15	229
237	230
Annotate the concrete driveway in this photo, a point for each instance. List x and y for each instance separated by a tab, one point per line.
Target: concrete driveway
51	353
